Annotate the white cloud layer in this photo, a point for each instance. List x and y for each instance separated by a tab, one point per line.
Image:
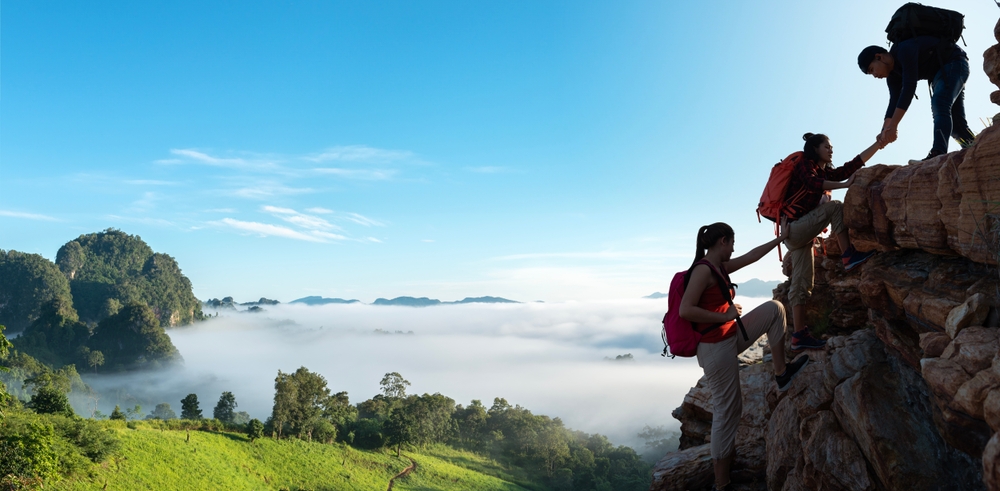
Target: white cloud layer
546	357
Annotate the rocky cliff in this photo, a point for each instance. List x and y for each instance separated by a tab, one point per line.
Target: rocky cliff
906	395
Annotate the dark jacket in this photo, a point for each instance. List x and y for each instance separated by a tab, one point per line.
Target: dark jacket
917	58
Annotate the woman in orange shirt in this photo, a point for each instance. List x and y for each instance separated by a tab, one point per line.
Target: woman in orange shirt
710	310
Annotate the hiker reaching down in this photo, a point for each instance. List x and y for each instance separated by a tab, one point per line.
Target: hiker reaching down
944	65
707	304
809	214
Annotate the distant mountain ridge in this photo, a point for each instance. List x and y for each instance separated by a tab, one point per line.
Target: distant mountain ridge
317	300
427	302
749	288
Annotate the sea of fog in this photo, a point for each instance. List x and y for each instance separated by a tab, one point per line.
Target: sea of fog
547	357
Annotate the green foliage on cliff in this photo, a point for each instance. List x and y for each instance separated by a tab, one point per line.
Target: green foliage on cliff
111	268
27	283
133	338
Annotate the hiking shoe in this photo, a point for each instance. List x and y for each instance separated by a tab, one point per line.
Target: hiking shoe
729	487
854	258
802	340
932	154
791	370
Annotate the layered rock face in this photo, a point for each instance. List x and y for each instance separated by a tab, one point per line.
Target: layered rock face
906	395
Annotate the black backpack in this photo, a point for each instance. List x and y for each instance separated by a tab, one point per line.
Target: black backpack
913	19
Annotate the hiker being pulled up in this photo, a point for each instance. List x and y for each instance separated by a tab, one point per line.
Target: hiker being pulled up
944	65
707	304
810	211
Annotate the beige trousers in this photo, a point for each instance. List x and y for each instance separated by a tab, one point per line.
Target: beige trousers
723	375
799	243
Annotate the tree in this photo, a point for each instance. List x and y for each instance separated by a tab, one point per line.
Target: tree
300	400
27	283
133	338
255	429
134	412
4	349
394	385
224	409
163	412
241	418
189	407
117	414
95	359
50	400
56	335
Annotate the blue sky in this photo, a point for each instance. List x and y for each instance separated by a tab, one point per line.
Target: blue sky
532	150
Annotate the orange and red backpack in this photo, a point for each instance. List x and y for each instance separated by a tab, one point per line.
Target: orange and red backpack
775	203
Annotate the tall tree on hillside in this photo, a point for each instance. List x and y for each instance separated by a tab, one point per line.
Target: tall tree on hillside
27	283
224	409
394	385
133	338
162	411
117	414
255	429
189	407
300	399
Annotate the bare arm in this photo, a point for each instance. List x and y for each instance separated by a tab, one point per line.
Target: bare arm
758	252
700	279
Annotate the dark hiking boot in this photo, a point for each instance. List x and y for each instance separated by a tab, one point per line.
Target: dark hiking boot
791	370
729	487
802	340
933	153
853	258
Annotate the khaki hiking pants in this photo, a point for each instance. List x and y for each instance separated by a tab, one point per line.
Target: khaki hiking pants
800	251
723	375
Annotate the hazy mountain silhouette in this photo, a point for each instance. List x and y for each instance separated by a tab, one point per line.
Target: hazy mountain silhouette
316	300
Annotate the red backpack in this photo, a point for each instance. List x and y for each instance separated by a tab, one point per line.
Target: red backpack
680	338
774	202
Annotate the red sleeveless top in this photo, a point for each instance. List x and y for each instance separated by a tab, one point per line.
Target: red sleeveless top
712	301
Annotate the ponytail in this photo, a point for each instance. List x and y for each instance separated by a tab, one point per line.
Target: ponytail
708	235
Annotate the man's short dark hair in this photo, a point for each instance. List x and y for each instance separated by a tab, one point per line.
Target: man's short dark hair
868	55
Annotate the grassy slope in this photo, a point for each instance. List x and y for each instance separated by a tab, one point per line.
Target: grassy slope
162	460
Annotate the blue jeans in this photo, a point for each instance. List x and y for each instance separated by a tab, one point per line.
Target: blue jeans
948	106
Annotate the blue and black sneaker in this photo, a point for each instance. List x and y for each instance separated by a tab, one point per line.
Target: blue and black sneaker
853	258
802	340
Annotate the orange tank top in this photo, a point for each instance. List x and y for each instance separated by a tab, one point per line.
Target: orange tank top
713	301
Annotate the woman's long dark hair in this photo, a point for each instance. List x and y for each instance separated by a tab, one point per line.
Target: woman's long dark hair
813	141
709	235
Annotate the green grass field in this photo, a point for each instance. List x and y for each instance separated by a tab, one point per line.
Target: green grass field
156	459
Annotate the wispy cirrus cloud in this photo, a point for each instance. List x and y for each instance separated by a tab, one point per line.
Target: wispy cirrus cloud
266	191
362	220
189	155
359	153
364	174
303	220
27	216
267	230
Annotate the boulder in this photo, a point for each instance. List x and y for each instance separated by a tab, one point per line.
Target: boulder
784	449
973	348
849	355
991	409
934	343
942	205
943	376
972	312
886	410
991	463
831	460
971	396
689	469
